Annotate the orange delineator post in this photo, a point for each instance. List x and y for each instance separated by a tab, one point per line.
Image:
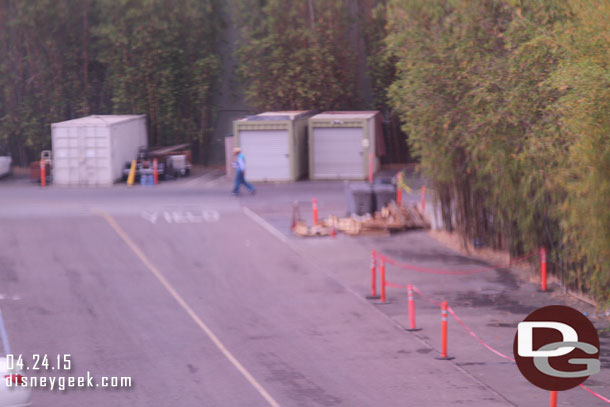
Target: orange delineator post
423	199
382	271
155	171
444	321
373	274
399	189
314	206
553	402
43	175
411	309
542	269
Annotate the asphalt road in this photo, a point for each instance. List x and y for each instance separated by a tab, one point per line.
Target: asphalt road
202	302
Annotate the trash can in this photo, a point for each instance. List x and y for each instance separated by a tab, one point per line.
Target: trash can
384	194
360	198
384	180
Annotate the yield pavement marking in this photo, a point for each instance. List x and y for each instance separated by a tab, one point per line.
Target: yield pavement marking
151	267
181	214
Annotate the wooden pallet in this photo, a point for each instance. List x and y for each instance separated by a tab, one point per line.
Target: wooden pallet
389	219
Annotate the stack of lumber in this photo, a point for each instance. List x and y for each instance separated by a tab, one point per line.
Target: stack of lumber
301	229
389	219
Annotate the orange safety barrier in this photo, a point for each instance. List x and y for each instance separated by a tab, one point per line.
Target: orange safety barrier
445	310
43	175
423	199
155	171
444	323
314	207
382	271
444	326
542	269
399	189
411	302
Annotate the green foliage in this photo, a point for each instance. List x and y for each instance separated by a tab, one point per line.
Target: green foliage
381	63
297	54
506	104
584	77
39	70
68	58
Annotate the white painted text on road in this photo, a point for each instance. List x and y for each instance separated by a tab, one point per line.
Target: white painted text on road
185	214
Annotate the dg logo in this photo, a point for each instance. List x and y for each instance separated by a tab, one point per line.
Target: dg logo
556	348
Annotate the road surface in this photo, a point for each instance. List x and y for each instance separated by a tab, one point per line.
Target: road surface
203	299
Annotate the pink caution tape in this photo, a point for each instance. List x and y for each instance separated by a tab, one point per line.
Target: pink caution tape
599	396
489	347
388	284
481	341
463	325
471	332
425	297
413	267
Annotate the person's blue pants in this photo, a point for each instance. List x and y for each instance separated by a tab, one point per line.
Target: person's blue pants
239	180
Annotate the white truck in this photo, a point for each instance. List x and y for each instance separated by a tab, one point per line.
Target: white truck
5	164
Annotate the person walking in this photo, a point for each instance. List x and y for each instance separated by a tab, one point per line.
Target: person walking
240	172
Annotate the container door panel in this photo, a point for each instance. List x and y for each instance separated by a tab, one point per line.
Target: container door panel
267	154
337	153
65	156
95	155
4	166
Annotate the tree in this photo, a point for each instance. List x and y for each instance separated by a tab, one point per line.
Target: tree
297	54
63	59
41	70
161	60
506	104
583	78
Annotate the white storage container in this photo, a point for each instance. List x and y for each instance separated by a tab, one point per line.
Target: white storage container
92	150
342	145
274	145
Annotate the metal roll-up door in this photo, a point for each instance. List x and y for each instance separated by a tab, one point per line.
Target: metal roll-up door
267	154
337	153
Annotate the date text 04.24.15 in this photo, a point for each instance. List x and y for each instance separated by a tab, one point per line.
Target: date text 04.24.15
39	362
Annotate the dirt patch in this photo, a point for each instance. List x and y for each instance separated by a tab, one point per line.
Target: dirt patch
526	270
500	301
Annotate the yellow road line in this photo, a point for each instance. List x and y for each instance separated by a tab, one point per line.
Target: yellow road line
189	310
